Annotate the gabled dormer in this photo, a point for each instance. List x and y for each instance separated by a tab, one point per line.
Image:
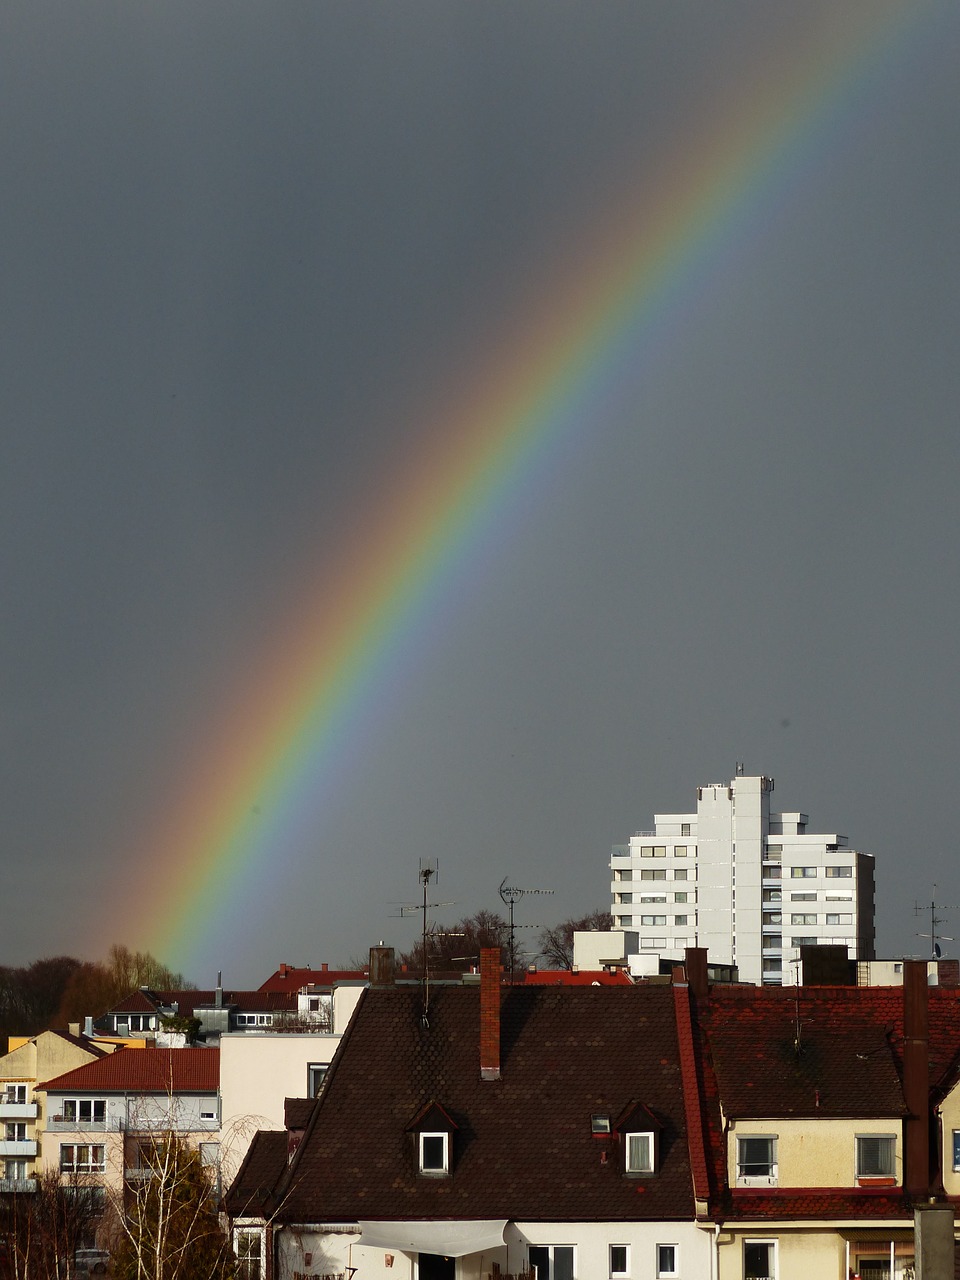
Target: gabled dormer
433	1132
639	1132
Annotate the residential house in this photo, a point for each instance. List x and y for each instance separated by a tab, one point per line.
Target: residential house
473	1131
104	1117
31	1059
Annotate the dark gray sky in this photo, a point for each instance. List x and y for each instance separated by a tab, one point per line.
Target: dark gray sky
241	245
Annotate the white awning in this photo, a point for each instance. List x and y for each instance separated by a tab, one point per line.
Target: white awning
449	1239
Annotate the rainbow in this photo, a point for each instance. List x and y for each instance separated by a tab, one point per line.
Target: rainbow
281	750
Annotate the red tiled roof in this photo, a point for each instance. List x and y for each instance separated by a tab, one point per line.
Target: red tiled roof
290	979
524	1146
136	1002
766	1204
583	978
143	1071
691	1093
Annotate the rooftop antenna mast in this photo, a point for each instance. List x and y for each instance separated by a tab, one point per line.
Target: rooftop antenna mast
935	921
511	895
429	870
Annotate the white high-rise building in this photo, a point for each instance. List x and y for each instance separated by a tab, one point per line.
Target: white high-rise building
750	885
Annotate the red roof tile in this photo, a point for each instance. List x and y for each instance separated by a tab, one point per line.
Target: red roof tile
143	1071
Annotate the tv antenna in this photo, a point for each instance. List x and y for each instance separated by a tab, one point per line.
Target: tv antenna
511	895
935	921
429	871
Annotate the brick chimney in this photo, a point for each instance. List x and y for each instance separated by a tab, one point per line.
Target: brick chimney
695	964
382	965
916	1082
490	1013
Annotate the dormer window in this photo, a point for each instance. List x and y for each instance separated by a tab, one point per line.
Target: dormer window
600	1126
432	1130
435	1153
757	1161
639	1130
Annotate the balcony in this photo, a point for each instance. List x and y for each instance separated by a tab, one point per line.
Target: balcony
17	1186
57	1124
17	1110
26	1147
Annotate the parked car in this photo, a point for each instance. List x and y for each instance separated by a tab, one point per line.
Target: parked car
91	1262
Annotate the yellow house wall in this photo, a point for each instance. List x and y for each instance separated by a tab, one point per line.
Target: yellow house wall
950	1120
815	1153
801	1255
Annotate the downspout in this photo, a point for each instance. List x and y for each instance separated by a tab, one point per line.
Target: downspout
715	1255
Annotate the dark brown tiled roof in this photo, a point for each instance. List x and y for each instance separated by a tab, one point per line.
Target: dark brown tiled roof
297	1112
582	978
523	1146
144	1071
250	1194
802	1051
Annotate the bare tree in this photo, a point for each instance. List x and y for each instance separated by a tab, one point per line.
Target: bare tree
43	1228
456	948
556	944
168	1227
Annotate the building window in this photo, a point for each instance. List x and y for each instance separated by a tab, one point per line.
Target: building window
757	1161
316	1074
15	1171
16	1093
803	873
803	897
249	1246
434	1153
85	1110
622	898
679	850
653	920
553	1261
653	944
835	918
956	1150
803	942
81	1158
772	964
680	873
771	917
685	828
759	1260
680	920
772	873
623	875
639	1147
838	873
876	1155
772	941
667	1260
646	851
803	917
623	922
654	873
619	1260
680	897
772	895
653	897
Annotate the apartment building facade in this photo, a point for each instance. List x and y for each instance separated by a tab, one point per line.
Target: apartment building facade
749	884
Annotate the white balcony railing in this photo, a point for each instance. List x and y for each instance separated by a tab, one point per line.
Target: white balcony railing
25	1147
10	1110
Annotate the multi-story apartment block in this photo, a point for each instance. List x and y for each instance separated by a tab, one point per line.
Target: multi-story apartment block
750	885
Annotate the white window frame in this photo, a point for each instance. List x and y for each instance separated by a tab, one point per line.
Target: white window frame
14	1092
434	1171
77	1106
771	1245
249	1233
16	1130
768	1179
617	1273
667	1272
551	1257
645	1165
91	1165
890	1141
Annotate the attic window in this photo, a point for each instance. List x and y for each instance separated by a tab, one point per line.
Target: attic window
639	1148
435	1153
599	1125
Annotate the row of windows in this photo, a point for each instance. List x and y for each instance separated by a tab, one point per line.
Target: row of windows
434	1150
660	873
807	917
627	899
875	1155
660	850
558	1261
